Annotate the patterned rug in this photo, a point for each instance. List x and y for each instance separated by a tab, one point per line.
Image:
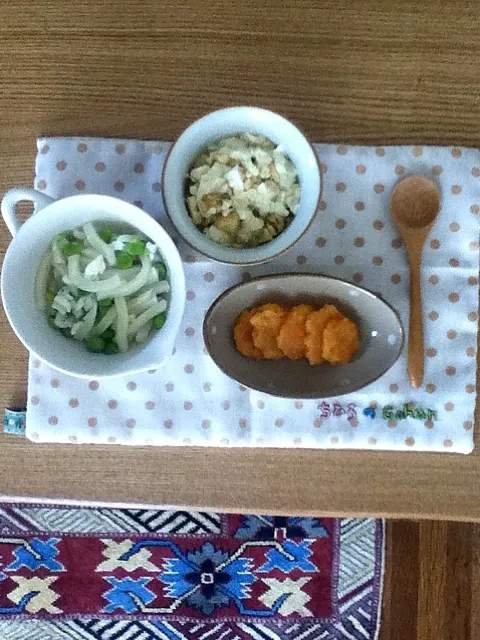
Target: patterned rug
131	574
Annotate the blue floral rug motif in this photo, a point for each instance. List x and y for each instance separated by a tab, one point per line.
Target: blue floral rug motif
131	574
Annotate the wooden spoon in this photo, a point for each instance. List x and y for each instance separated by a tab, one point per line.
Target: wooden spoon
414	206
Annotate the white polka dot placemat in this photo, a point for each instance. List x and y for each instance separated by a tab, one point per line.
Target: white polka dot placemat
191	402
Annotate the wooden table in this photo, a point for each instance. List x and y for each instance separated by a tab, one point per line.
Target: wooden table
374	72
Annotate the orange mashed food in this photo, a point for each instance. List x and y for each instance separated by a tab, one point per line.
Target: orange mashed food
273	332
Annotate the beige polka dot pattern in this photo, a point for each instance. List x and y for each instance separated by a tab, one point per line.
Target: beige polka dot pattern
190	402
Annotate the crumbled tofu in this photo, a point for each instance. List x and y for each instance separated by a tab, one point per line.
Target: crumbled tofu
95	267
234	179
239	188
152	250
120	243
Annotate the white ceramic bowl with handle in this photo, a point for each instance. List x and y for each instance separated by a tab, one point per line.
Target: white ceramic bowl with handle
227	122
30	242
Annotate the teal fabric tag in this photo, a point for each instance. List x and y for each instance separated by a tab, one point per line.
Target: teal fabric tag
14	421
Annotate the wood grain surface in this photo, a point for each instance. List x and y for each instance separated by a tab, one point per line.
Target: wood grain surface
432	582
374	72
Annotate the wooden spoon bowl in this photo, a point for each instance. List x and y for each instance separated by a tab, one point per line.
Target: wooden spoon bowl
414	207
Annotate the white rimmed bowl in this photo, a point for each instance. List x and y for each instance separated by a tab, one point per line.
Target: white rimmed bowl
32	239
211	128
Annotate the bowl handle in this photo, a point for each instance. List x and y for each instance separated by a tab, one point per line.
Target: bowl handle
16	195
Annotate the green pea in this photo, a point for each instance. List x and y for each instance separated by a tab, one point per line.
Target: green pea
124	261
159	321
106	235
73	248
62	239
161	270
136	247
111	348
106	302
96	344
108	334
50	296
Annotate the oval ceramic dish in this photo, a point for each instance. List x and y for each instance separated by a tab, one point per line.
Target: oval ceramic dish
381	336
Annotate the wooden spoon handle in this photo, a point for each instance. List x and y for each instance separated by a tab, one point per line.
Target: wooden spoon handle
415	337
